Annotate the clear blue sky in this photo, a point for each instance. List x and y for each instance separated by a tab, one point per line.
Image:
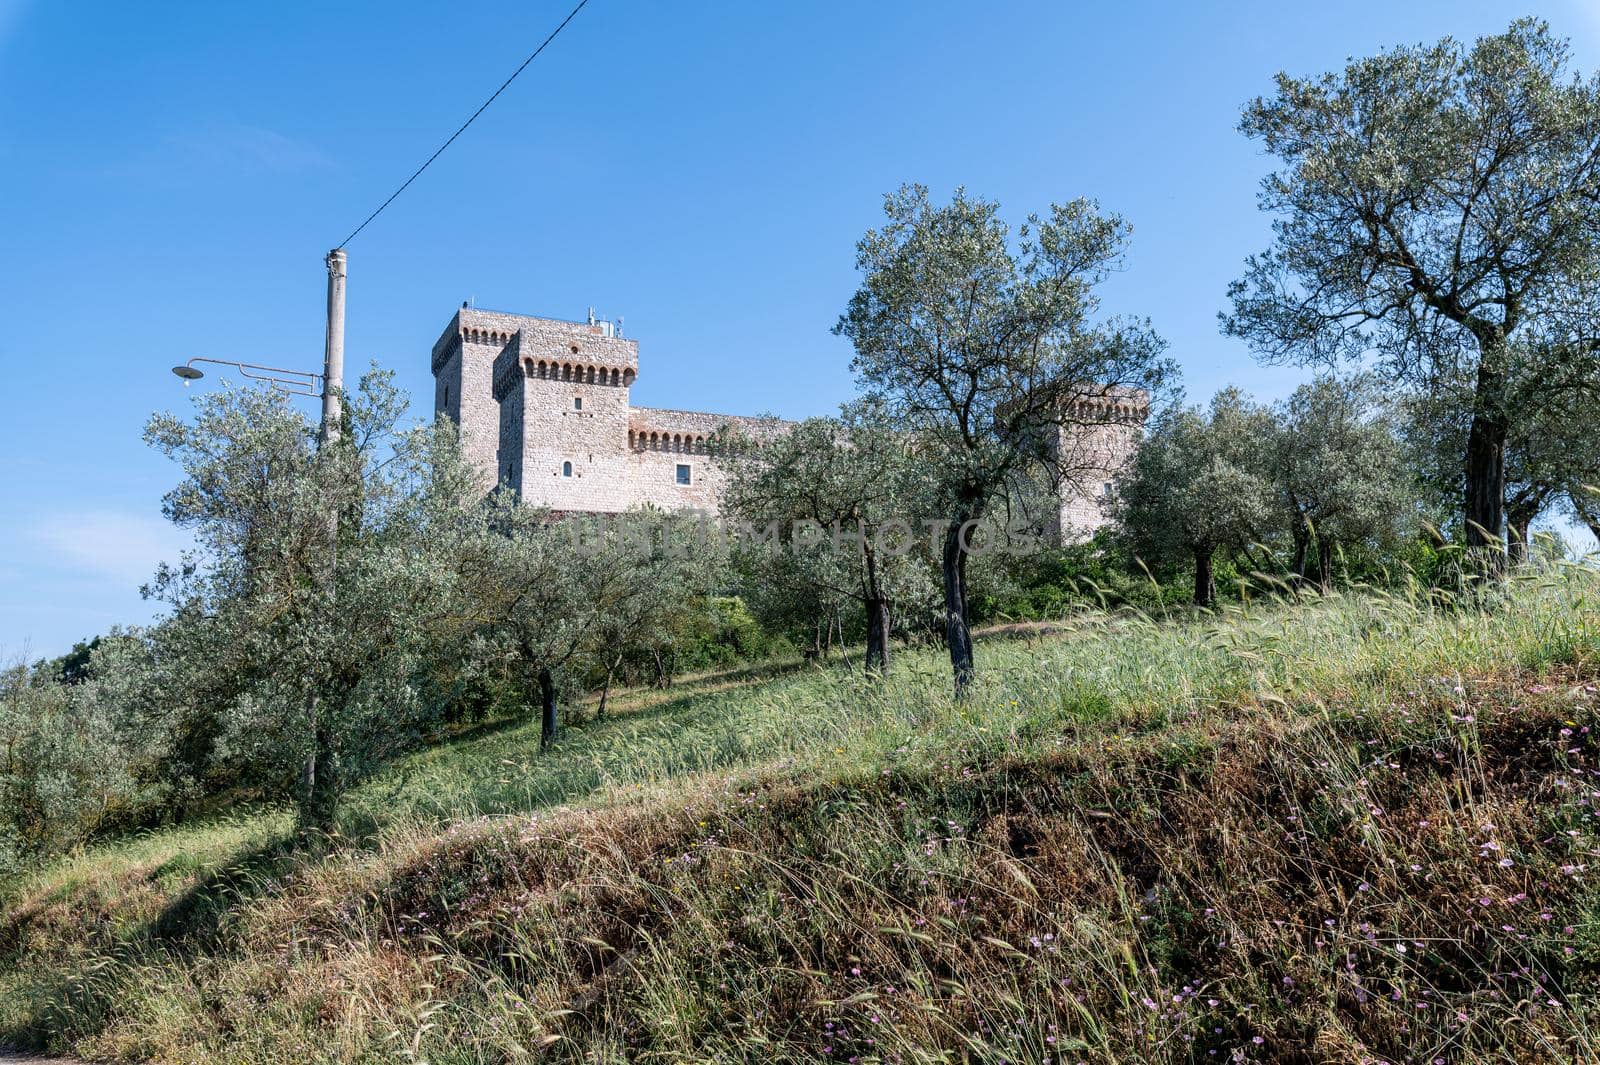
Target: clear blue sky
171	175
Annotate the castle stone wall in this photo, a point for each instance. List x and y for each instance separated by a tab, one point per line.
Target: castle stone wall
544	408
1094	445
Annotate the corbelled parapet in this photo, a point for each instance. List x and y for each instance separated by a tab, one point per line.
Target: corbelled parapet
507	367
661	429
561	344
1110	403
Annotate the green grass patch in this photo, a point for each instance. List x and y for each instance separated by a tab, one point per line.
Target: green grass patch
1128	845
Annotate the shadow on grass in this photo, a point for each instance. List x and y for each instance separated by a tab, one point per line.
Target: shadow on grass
629	702
58	1003
193	920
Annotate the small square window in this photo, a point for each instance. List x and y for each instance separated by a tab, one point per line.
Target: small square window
577	402
683	473
1106	489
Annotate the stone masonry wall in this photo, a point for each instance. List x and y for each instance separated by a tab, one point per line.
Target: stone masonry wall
1094	447
544	408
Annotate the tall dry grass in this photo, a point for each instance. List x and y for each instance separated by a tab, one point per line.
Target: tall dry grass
1357	829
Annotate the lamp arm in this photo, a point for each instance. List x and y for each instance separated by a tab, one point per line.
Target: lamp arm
297	383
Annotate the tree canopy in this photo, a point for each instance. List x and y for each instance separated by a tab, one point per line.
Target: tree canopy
1436	213
1201	482
985	347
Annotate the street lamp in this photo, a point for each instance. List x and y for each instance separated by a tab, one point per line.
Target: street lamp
326	385
292	382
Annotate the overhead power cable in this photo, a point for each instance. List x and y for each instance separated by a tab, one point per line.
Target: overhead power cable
535	55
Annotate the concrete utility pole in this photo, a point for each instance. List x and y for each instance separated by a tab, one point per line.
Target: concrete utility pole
333	352
319	760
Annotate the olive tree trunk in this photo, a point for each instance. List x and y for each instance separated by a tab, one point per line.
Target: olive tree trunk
1519	533
605	689
319	797
957	633
548	722
877	638
1205	582
877	606
1302	549
1484	505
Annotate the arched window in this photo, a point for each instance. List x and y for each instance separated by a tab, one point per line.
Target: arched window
566	469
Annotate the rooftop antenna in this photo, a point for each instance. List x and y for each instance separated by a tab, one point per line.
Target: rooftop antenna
619	325
591	316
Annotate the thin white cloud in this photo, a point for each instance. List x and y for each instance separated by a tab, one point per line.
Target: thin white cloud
227	150
110	545
249	147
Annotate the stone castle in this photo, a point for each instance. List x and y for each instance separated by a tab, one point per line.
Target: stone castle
544	409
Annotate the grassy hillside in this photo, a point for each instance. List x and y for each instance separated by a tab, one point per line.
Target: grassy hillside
1354	830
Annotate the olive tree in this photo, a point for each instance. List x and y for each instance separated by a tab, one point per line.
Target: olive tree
1200	482
843	498
1552	450
64	766
985	345
670	563
1340	471
299	658
549	592
1436	209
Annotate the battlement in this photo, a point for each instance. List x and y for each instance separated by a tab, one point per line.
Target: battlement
525	358
591	344
661	429
1124	404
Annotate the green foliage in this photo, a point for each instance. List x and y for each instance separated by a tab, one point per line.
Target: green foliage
1200	482
983	348
1099	574
724	633
62	766
1435	217
1341	474
842	501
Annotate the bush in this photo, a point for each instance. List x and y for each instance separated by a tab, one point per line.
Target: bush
1099	573
64	772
